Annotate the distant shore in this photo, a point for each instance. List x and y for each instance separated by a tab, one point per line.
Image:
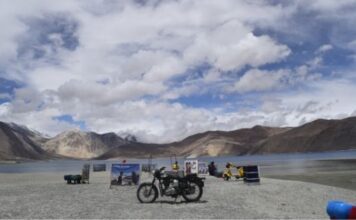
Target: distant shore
8	162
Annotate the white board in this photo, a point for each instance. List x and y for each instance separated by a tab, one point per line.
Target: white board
190	167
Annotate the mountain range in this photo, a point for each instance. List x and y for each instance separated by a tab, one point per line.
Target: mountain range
18	142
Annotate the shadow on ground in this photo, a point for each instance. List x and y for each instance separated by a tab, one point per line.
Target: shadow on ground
174	202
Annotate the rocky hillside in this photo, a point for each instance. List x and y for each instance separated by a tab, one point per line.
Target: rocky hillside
17	142
317	136
211	143
80	144
214	143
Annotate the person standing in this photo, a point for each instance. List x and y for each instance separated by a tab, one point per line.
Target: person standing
212	168
188	168
175	166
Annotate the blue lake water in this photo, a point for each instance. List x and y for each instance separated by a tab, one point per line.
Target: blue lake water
268	163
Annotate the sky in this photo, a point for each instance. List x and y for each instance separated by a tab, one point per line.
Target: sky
164	70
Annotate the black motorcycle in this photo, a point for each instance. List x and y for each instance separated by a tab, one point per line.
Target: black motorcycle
171	184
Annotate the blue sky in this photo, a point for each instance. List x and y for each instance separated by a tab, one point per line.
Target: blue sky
69	119
163	70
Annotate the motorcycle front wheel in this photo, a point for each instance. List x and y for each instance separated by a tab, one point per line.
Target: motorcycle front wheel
193	192
147	193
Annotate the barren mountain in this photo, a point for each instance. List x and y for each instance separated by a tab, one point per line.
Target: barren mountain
80	144
214	143
317	136
17	142
136	150
35	136
210	143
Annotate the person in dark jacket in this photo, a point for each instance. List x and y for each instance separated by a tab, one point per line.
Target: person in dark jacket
212	168
135	178
119	179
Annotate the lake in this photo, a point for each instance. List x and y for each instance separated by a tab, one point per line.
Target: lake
269	164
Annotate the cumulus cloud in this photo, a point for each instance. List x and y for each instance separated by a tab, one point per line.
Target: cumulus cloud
258	80
98	93
128	66
154	121
263	80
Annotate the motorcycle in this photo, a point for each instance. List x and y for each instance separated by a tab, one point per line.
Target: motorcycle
171	184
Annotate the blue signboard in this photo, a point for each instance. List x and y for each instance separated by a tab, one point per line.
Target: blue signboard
125	174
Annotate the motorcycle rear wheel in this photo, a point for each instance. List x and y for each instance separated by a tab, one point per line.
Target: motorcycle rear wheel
147	193
198	192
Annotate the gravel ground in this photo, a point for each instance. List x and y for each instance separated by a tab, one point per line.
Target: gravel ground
343	179
46	195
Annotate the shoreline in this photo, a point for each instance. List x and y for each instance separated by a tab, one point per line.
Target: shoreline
333	172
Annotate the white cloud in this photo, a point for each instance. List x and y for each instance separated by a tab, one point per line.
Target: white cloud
232	46
159	41
271	104
155	121
251	50
161	49
132	61
183	91
263	80
327	5
41	120
4	96
97	93
259	80
324	48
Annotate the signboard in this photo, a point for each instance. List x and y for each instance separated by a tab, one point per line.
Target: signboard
202	168
148	167
85	173
125	174
190	166
99	167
